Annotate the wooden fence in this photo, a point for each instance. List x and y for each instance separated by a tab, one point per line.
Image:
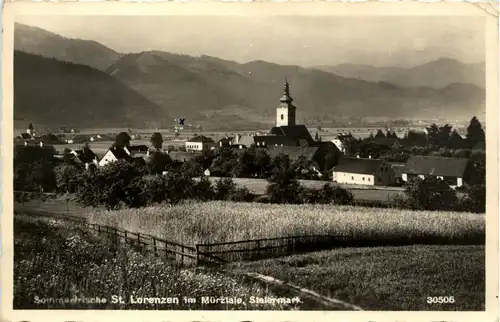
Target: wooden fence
256	249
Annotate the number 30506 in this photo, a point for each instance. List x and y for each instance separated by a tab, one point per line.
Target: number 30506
440	299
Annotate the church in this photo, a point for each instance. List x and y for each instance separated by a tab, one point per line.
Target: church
286	132
289	138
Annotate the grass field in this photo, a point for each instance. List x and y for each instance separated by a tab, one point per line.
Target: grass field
52	261
386	278
209	222
259	186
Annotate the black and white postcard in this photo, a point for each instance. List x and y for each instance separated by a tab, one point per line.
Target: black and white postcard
290	161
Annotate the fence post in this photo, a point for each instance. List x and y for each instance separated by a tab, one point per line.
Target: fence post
154	246
197	254
182	256
125	237
257	242
138	239
117	238
166	250
98	229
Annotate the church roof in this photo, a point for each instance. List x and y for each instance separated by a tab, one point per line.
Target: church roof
293	132
294	152
271	140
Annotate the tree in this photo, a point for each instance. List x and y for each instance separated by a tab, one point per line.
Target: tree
433	134
158	162
475	133
67	158
443	135
246	165
430	194
66	176
380	135
416	138
262	163
283	186
456	141
122	140
156	140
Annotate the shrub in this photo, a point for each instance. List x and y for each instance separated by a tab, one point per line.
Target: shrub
430	194
242	194
283	186
203	190
224	188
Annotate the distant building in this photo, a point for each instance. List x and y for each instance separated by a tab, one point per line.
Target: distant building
199	143
137	150
451	170
374	172
118	153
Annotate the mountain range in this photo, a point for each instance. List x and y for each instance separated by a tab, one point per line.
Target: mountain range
148	87
436	74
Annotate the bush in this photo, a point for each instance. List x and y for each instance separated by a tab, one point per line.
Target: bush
430	194
242	194
283	187
327	194
203	190
224	188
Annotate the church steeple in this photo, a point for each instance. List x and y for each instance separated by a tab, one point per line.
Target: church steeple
285	113
286	98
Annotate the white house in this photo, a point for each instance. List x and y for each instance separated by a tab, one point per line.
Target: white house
199	143
363	171
451	170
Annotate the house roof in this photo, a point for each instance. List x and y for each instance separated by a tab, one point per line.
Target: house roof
294	132
25	136
294	152
358	165
437	166
271	140
202	139
138	148
120	153
246	140
397	167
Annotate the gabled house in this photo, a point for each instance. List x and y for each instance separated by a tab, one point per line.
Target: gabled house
374	172
451	170
200	143
341	141
225	142
118	153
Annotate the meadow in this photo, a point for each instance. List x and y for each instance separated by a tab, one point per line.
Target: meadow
386	278
218	221
67	262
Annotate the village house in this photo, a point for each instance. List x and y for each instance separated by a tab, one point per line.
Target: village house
398	167
365	171
117	153
341	141
200	143
451	170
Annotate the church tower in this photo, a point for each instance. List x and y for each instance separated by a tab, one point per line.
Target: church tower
285	113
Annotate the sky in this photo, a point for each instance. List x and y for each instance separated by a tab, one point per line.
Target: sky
305	41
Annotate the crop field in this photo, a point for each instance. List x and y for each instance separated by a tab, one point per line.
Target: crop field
57	262
386	278
210	222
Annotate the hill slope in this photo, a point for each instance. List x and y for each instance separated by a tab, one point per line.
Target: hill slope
196	86
436	74
38	41
49	91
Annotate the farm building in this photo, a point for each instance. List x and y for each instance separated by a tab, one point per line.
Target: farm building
200	143
374	172
451	170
